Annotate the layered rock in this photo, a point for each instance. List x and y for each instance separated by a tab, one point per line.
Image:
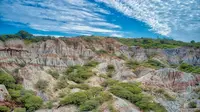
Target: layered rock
170	78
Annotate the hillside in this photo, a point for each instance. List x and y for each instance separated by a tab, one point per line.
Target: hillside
103	74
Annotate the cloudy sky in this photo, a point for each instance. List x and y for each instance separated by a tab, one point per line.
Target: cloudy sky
177	19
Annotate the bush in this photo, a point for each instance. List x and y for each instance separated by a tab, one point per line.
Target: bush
132	64
15	94
75	98
189	68
110	68
19	110
48	105
155	64
89	105
62	83
109	82
7	80
80	86
54	74
91	64
133	93
32	103
169	97
87	100
78	73
4	109
41	85
19	95
192	105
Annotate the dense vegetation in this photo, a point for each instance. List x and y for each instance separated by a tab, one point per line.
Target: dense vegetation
156	43
189	68
18	95
27	37
79	73
87	100
133	93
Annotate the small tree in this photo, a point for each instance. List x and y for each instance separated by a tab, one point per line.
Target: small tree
192	42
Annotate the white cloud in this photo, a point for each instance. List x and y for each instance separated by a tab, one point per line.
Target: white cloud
48	35
67	16
166	17
116	35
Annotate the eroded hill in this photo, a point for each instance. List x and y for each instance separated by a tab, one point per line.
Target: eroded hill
98	74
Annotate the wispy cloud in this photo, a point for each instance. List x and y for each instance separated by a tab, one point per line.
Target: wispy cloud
166	17
116	35
68	16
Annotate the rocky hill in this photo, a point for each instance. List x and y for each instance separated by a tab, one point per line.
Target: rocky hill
98	74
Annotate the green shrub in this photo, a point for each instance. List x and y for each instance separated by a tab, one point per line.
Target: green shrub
54	74
15	94
41	85
155	64
48	105
89	105
32	103
19	95
132	64
78	73
7	80
19	110
133	93
189	68
75	98
61	83
109	82
169	97
91	64
110	68
87	100
192	104
80	86
4	109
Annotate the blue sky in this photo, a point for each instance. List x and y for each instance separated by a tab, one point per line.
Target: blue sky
175	19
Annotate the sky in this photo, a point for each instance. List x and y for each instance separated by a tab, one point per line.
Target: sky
176	19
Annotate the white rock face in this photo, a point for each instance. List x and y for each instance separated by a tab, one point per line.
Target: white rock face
124	106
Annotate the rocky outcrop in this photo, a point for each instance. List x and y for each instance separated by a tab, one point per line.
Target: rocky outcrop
170	78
